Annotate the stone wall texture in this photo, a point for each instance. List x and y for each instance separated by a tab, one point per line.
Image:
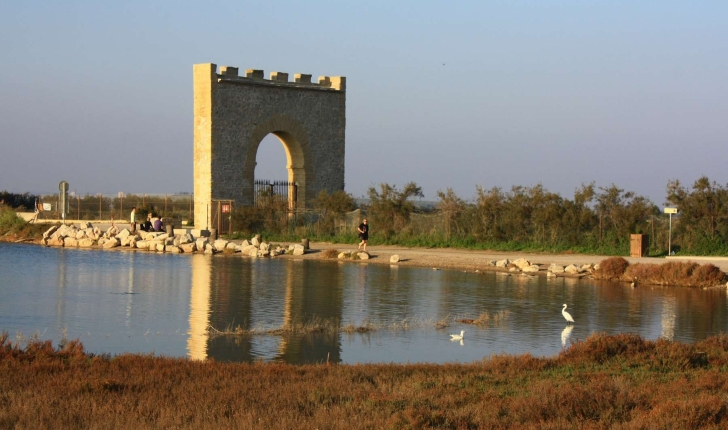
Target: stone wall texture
232	115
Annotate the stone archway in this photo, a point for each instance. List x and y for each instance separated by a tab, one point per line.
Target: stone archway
295	142
232	115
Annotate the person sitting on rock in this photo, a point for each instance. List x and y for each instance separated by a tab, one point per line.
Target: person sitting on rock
158	224
147	225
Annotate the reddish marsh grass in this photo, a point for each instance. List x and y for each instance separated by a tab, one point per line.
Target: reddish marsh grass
619	381
672	273
611	269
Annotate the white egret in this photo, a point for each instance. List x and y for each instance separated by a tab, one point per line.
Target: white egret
567	316
457	336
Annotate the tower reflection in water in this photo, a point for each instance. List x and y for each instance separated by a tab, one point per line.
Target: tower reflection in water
199	307
263	294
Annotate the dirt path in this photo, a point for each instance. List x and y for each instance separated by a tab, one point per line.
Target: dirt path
449	258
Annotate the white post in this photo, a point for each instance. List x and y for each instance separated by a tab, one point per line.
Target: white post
669	238
670	211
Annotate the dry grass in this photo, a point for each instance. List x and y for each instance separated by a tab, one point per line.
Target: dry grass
497	318
672	273
317	325
329	326
330	253
487	319
611	269
619	381
676	273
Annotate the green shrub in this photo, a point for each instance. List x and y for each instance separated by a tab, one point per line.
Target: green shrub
10	222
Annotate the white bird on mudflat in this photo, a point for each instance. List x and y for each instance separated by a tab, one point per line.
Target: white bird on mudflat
567	316
457	336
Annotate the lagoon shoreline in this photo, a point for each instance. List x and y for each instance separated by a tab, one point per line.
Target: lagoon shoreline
440	258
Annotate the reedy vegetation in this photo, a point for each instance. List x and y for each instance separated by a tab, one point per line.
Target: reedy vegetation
617	381
334	326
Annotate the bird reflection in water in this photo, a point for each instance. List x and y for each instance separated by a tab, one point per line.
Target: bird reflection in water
565	334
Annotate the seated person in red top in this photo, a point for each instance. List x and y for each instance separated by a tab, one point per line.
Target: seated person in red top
158	224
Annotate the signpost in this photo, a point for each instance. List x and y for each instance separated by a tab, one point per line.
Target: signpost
63	199
670	211
121	204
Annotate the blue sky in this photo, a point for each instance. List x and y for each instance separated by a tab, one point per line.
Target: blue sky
446	94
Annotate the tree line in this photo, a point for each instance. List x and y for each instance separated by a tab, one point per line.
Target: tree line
595	220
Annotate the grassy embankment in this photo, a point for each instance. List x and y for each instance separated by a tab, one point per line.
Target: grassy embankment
619	381
13	228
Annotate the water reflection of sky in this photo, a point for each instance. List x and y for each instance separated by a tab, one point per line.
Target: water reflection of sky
118	302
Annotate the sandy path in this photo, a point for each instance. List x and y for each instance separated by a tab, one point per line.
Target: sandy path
451	258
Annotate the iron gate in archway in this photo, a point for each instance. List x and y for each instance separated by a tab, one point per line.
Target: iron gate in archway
284	190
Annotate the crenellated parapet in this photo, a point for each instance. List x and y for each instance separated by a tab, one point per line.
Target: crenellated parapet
229	74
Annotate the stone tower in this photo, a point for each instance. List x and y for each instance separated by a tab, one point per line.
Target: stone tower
232	115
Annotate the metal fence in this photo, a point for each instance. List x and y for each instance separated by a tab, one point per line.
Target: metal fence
264	188
118	206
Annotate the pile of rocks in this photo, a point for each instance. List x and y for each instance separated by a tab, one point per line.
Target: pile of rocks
354	255
257	248
87	236
571	269
525	266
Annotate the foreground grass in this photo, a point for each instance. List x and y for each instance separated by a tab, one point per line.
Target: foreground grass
619	381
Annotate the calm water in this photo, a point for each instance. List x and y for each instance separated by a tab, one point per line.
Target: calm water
117	302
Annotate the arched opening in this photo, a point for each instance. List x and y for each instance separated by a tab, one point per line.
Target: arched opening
278	168
271	160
